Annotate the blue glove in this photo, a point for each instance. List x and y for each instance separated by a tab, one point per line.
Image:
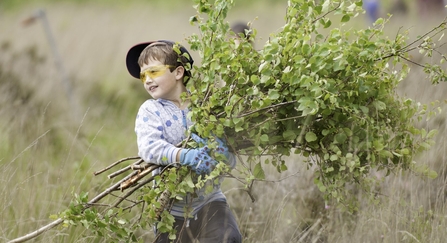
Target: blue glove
221	149
198	159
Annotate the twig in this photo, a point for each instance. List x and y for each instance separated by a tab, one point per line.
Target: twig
112	188
403	49
133	190
328	12
140	174
124	198
408	47
140	167
37	232
124	169
114	164
265	108
58	221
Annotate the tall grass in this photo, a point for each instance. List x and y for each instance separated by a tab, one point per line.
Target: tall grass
50	145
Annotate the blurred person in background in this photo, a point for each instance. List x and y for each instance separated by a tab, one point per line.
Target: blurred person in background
372	8
241	30
399	8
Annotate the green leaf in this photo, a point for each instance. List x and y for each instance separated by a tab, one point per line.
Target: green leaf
264	138
327	24
333	157
310	137
345	18
258	172
379	105
274	94
405	151
432	174
325	6
289	135
340	138
320	185
386	153
188	180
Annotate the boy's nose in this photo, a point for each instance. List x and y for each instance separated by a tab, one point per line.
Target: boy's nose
148	79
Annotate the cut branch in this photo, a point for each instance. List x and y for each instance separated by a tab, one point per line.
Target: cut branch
114	164
133	190
124	169
37	232
140	174
265	108
129	180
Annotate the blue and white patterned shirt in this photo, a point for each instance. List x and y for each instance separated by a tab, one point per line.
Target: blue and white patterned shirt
159	126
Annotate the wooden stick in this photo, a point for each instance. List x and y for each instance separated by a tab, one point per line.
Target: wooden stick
140	167
124	169
137	177
112	188
58	221
133	190
114	164
37	232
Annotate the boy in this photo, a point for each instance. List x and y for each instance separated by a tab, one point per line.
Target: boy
162	123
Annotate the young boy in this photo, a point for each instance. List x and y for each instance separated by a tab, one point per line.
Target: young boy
161	124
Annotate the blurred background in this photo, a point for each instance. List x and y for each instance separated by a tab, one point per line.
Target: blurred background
68	105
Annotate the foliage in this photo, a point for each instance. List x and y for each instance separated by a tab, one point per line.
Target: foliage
108	224
330	97
113	223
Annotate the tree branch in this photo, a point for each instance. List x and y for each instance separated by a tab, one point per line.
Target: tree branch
89	204
37	232
265	108
124	169
114	164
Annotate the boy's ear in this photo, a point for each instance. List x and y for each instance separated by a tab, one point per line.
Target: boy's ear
179	72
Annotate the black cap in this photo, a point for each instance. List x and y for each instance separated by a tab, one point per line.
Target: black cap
134	53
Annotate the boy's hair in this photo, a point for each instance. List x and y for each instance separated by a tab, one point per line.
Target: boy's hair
166	52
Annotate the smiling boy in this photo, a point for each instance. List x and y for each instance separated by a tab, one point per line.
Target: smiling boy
161	123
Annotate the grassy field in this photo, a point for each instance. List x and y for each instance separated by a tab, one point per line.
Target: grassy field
52	138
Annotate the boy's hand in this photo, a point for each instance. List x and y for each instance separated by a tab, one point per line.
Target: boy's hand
198	159
222	148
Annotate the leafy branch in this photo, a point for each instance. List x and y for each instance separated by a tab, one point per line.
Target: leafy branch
329	97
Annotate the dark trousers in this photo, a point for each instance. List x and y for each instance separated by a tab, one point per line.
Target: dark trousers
215	223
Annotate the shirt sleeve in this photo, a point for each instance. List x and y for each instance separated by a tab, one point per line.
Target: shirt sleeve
152	146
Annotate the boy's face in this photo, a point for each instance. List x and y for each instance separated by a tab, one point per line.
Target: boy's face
159	81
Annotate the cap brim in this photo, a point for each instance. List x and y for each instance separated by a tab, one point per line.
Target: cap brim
132	58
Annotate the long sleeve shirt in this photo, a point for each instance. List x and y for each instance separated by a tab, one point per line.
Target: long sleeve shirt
159	126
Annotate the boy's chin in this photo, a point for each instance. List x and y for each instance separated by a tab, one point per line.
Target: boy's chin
154	96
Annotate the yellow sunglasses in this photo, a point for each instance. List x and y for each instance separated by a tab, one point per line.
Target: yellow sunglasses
154	72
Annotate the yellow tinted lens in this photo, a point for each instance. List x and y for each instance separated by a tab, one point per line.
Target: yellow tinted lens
153	72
